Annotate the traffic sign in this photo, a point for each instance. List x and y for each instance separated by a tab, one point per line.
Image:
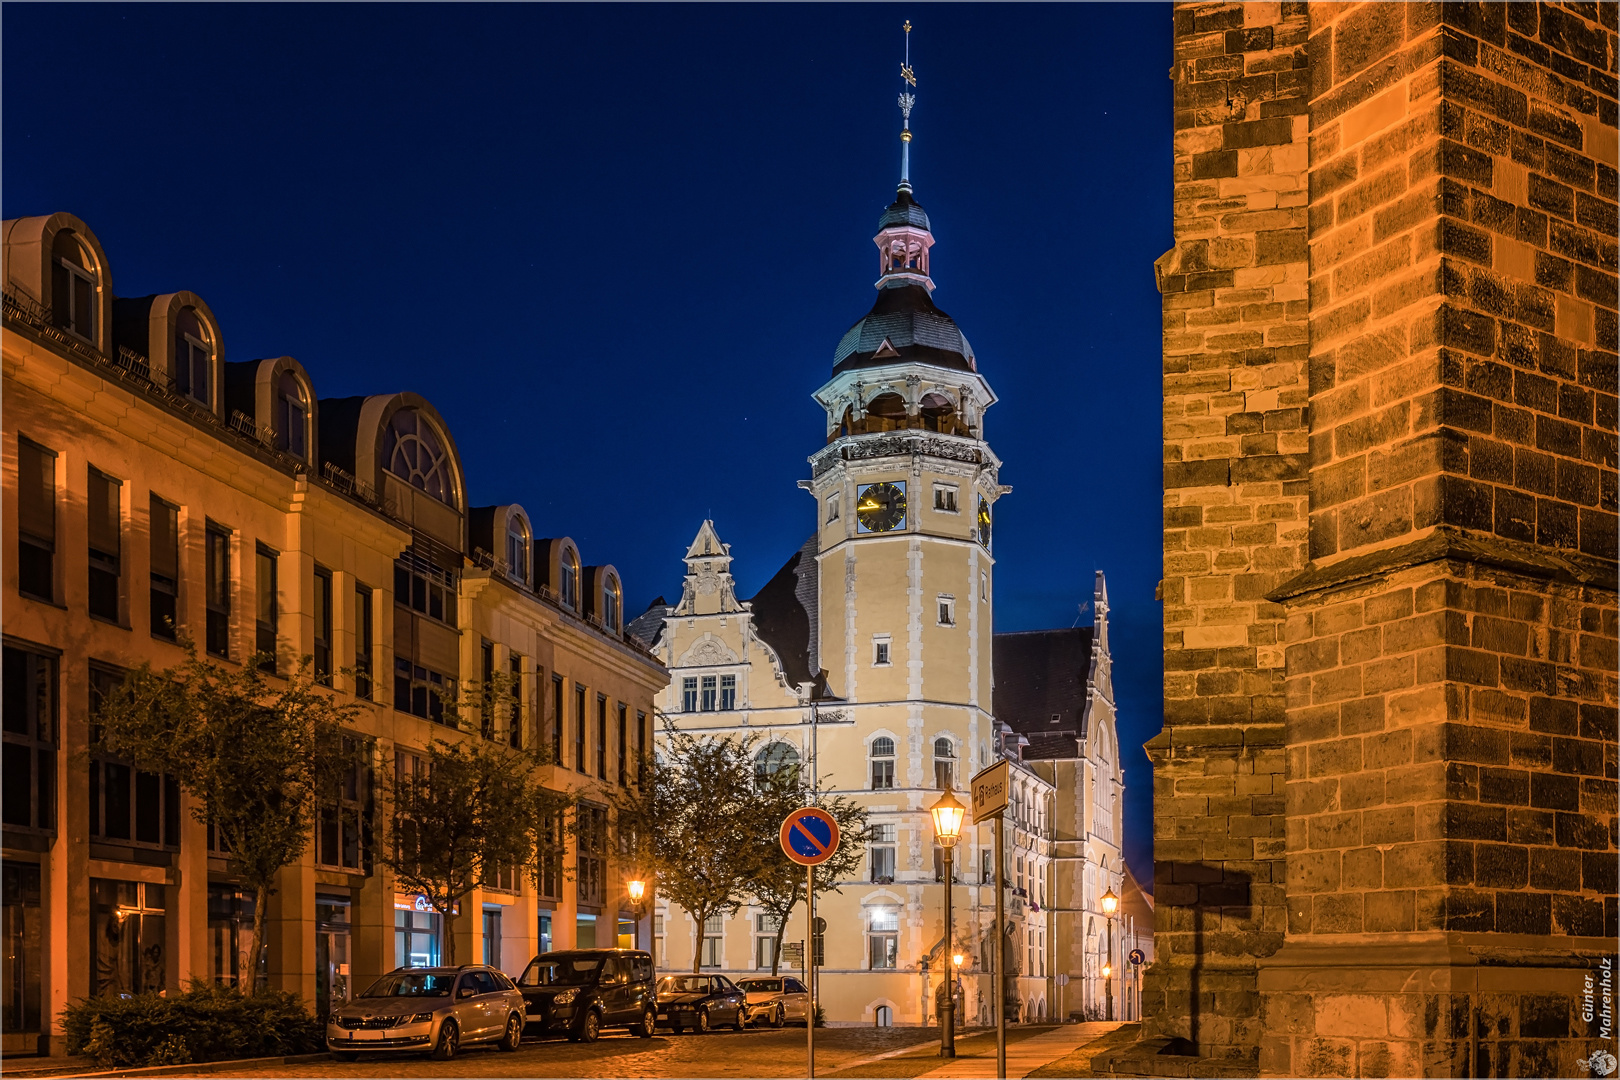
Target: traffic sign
809	836
1137	957
793	953
989	788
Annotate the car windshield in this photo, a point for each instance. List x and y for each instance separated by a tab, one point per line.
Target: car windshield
684	984
410	984
562	971
760	986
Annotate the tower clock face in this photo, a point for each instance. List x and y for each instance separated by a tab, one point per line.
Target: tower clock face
881	507
984	521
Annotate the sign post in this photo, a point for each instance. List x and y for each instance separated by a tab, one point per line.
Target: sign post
990	787
809	837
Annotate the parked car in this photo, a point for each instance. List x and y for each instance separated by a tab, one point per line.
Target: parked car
774	1000
581	991
438	1009
700	1002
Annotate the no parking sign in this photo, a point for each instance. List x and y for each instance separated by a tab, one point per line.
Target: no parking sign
809	836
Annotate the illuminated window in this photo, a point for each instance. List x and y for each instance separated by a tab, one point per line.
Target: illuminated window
882	937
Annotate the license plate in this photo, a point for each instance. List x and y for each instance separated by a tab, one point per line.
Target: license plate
366	1035
663	1016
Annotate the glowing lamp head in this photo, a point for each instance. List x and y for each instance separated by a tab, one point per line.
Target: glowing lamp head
1108	971
957	959
948	812
636	890
1110	903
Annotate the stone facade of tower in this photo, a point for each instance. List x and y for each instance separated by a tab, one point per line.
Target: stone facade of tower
1385	797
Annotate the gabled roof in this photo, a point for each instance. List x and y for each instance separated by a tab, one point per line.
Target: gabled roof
1041	674
785	614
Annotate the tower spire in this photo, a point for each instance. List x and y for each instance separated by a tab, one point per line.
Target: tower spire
906	102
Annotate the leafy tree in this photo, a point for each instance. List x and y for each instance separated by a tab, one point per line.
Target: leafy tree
258	754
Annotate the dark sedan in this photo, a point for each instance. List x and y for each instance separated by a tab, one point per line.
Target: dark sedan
700	1002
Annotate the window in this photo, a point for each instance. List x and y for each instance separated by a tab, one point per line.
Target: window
363	644
106	524
775	758
765	930
267	610
882	763
714	929
939	866
601	737
230	926
610	602
129	806
292	416
217	554
419	691
545	931
591	860
28	756
658	938
882	937
416	938
165	526
987	868
945	498
193	358
340	839
728	693
517	547
486	711
689	694
570	579
36	521
984	585
492	937
73	286
579	729
947	611
514	717
126	937
425	588
944	763
624	744
708	693
818	943
416	454
549	873
641	748
322	603
881	852
832	505
557	719
880	651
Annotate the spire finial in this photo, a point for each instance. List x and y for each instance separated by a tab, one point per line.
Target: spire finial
906	102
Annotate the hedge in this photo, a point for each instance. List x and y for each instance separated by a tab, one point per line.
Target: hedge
203	1023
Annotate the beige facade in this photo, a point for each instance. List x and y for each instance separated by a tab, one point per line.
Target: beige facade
152	490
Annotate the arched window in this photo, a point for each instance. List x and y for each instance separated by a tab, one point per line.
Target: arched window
193	357
610	602
938	413
944	763
292	416
517	547
882	763
775	758
73	286
414	452
568	586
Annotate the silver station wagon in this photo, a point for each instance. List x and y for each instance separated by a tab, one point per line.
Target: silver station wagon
435	1009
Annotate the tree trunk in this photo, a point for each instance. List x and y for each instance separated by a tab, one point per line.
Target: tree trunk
702	918
776	953
448	958
261	897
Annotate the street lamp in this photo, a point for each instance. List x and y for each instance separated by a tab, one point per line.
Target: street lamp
636	890
1110	905
948	812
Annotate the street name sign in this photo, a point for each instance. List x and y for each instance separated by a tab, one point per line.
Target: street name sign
793	953
989	788
809	836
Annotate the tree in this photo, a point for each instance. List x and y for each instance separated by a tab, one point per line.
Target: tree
257	753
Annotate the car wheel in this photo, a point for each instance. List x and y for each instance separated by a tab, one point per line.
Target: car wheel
449	1041
590	1026
649	1022
737	1019
702	1027
779	1017
346	1055
514	1034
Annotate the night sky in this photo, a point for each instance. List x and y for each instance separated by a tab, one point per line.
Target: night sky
616	246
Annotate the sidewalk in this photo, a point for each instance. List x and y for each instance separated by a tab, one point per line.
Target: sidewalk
1027	1055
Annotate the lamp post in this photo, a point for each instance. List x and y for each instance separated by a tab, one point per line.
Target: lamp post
948	812
636	890
1110	905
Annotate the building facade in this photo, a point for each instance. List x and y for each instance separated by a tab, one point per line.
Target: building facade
155	493
1385	791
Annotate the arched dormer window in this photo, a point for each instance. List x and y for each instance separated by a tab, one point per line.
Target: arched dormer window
611	602
414	452
882	754
73	286
944	763
517	547
193	357
568	584
774	759
292	415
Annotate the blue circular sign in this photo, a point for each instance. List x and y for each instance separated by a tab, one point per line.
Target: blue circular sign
809	836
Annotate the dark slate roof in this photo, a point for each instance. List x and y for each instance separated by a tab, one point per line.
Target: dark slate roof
339	427
1043	747
906	316
647	626
1040	673
785	613
904	211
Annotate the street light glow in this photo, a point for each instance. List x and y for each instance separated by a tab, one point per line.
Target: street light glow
1108	971
957	959
1110	903
948	812
636	890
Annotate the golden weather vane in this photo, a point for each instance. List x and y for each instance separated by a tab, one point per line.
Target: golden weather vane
905	65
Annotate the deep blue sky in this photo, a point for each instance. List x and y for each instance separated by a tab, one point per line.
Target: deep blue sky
616	245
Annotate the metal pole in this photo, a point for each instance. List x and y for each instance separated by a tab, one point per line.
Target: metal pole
1001	958
947	1019
1109	960
810	969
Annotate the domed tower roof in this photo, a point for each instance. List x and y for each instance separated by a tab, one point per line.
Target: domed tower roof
904	211
904	324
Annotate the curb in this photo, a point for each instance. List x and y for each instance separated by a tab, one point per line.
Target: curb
198	1068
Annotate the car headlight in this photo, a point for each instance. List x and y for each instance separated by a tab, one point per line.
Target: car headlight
422	1018
566	997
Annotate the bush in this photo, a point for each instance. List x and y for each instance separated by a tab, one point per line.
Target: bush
205	1023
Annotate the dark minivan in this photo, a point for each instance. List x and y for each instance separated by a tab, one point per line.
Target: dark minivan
581	991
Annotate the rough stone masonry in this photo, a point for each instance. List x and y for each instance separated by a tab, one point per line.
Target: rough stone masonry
1385	793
